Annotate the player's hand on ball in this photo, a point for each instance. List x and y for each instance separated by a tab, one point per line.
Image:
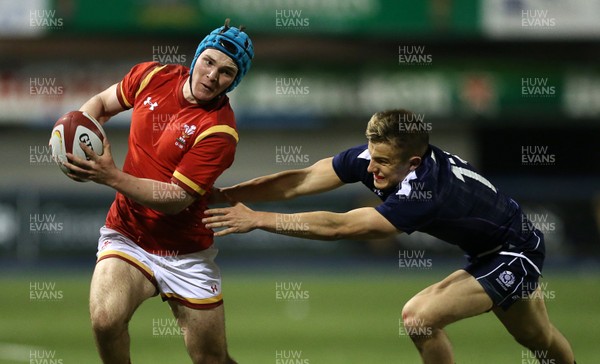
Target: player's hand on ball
97	168
238	218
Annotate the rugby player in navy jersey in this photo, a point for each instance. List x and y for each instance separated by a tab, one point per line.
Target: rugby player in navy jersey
426	189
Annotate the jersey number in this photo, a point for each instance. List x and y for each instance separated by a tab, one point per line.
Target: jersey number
461	173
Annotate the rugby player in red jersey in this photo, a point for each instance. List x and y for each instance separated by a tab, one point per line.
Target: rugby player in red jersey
182	137
422	188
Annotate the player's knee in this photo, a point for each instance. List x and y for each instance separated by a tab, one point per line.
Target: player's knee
105	322
416	321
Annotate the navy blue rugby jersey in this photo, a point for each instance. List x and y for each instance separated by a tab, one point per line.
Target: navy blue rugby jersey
445	197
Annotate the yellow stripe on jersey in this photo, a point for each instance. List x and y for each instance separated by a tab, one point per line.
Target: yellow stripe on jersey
126	257
147	79
127	103
197	301
218	129
191	184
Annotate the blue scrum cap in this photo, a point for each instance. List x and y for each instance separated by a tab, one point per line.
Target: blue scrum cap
234	43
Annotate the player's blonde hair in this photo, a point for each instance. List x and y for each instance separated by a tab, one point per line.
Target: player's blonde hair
400	128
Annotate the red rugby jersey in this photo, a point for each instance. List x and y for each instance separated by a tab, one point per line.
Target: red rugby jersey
171	140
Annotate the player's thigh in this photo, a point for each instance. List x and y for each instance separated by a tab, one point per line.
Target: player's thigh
204	329
456	297
117	289
527	318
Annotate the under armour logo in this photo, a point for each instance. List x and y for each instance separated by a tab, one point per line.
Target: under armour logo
214	288
150	103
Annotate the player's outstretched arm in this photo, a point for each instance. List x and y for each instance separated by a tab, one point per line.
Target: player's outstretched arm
361	223
104	105
319	177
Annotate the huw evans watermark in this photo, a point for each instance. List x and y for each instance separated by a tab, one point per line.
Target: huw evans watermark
45	86
413	259
168	55
291	19
41	155
414	123
290	155
543	222
44	291
290	291
537	19
536	357
166	327
538	291
290	223
44	18
162	191
537	87
414	327
290	357
291	86
537	155
45	223
414	55
44	357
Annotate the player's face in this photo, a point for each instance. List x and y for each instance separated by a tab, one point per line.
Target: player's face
387	168
213	73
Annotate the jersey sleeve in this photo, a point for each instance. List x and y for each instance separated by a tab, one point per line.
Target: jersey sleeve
349	166
135	81
408	213
205	162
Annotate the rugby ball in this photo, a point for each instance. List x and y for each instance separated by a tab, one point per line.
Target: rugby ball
72	128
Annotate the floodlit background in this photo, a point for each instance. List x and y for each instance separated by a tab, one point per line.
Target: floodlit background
513	86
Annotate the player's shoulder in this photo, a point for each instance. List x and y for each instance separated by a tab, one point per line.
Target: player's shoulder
154	69
350	164
352	157
360	152
217	117
172	69
143	68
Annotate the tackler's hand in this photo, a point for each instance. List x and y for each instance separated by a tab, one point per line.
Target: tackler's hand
235	219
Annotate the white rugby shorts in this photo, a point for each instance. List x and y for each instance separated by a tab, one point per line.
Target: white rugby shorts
193	280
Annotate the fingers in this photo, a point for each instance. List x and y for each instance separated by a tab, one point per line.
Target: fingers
89	153
106	147
215	222
219	220
74	164
232	219
78	164
215	212
225	232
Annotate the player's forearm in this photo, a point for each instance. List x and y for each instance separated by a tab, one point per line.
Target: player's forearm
274	187
160	196
318	225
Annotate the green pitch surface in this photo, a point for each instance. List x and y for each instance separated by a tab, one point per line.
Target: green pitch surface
292	318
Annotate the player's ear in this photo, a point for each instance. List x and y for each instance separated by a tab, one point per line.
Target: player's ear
414	163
